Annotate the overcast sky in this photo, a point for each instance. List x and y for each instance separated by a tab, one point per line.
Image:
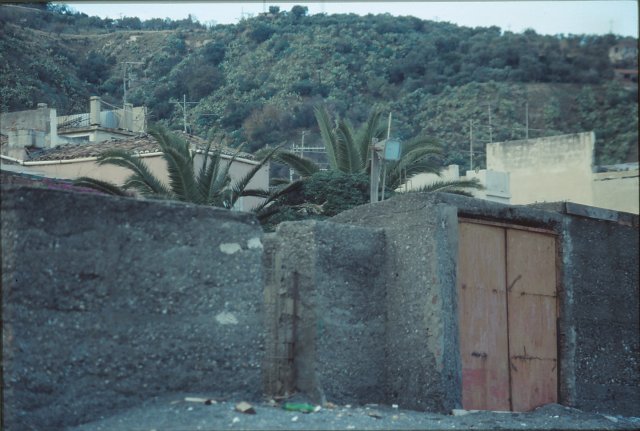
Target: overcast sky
545	17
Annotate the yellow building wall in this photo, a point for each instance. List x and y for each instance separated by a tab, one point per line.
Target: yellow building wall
556	168
72	169
617	191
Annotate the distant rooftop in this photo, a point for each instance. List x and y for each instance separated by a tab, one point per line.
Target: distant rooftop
138	144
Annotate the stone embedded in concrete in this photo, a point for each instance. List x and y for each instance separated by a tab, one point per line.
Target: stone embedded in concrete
109	301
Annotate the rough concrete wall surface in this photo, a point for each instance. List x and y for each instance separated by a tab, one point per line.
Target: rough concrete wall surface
109	301
327	280
424	369
601	315
277	370
351	322
554	168
35	119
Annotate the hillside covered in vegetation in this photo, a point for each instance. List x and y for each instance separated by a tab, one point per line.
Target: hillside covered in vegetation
259	80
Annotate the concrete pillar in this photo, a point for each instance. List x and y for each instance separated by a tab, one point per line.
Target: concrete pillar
94	110
53	130
128	117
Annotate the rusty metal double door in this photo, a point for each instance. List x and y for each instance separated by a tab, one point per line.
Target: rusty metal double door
507	305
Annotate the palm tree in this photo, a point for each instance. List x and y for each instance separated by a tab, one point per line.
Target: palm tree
348	151
210	186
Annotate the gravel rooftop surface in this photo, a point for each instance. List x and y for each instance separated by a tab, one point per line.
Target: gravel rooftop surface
175	413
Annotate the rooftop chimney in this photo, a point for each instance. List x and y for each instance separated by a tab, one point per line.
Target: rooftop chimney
95	105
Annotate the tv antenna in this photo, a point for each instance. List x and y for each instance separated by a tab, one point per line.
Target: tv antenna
183	105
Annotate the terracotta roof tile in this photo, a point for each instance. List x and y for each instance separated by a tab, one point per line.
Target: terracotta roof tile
138	144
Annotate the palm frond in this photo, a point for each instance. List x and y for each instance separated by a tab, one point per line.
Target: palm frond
264	213
327	134
348	154
418	156
460	187
397	174
258	193
101	186
371	129
181	175
302	166
274	182
419	150
210	179
239	186
180	165
292	187
347	148
145	182
205	173
167	139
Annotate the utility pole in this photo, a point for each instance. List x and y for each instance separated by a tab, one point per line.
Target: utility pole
490	129
124	79
470	145
526	113
184	112
384	165
375	172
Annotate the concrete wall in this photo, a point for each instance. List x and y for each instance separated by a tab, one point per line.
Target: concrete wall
496	185
600	322
551	169
36	127
599	312
108	301
424	370
325	287
617	191
139	115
